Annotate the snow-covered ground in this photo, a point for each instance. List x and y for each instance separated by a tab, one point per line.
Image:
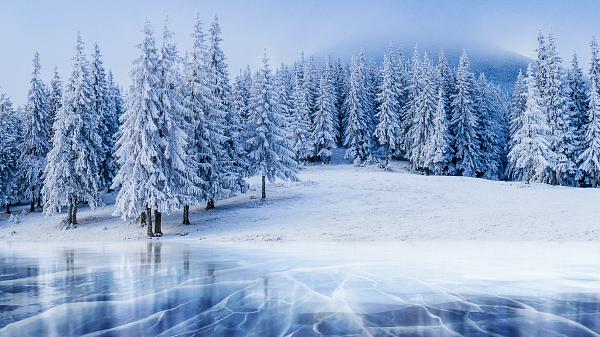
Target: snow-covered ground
341	202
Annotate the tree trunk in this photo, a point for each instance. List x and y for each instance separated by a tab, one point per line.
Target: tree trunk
264	190
74	216
39	199
32	207
149	221
387	154
8	208
186	215
144	221
157	223
210	204
70	216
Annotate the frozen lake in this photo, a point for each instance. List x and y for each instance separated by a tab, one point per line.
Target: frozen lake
285	289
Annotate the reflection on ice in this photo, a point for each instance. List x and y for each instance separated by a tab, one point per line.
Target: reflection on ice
172	289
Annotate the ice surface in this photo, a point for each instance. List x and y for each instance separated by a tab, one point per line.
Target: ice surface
418	289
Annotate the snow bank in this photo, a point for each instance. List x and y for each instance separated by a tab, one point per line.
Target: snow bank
346	203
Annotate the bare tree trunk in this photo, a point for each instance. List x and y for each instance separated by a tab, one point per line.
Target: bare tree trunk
8	208
32	207
157	223
210	204
186	215
143	219
70	216
74	217
387	154
39	199
264	189
149	221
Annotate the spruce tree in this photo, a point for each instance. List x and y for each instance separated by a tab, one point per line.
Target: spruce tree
595	61
36	136
71	172
531	154
488	133
388	130
10	128
589	160
55	99
341	91
139	142
298	131
437	150
577	101
269	152
174	178
465	122
311	86
204	149
103	108
235	164
553	94
413	91
241	94
423	107
323	128
519	101
358	137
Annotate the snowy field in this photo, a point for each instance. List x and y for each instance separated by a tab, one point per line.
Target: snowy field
341	202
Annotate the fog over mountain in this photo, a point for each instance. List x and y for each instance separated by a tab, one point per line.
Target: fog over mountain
500	66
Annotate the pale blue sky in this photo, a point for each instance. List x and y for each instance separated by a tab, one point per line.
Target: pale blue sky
283	27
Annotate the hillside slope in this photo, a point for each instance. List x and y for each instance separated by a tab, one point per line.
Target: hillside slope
345	203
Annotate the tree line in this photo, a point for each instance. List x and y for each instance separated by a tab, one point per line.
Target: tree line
187	135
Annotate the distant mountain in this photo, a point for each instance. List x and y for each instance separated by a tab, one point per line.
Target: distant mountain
499	65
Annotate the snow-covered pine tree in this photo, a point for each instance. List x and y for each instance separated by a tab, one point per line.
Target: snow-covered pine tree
577	101
464	123
173	178
10	128
531	154
241	94
438	155
284	88
55	99
269	152
423	108
500	106
358	138
413	91
553	94
36	136
372	83
403	85
446	80
71	172
589	159
118	106
298	126
323	128
388	130
519	100
488	130
595	60
204	149
234	164
103	109
311	84
341	91
139	142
